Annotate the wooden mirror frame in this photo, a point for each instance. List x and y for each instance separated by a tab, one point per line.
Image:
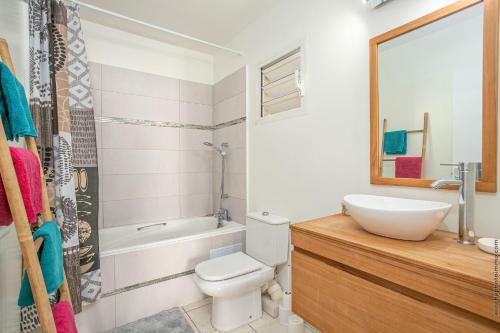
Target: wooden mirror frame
488	182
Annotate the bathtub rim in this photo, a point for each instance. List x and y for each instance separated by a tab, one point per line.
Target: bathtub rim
231	227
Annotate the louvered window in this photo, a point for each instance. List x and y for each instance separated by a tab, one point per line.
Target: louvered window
281	84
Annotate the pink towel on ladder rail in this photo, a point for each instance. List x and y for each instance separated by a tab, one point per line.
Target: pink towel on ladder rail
63	318
409	167
28	176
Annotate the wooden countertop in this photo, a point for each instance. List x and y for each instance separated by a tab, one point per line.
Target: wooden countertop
439	252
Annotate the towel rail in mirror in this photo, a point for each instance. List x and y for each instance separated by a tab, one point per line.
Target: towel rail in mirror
444	67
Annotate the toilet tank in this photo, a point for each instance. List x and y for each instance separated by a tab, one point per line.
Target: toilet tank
267	238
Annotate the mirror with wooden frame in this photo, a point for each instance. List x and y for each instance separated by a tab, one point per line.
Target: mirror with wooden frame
434	96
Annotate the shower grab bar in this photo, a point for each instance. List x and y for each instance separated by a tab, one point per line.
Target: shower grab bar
152	225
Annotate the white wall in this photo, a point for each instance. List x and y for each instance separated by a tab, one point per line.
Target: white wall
13	27
10	282
114	47
302	167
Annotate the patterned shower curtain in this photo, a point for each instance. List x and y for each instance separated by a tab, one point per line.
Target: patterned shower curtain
86	176
62	109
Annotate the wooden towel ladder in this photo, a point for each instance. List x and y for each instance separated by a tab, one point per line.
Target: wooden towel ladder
29	248
424	132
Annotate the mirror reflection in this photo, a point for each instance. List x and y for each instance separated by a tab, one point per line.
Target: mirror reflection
430	97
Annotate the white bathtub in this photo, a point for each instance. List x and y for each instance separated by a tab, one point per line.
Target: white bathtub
143	236
149	270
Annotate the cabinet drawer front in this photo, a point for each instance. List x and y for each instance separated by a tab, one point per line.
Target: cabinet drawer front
422	279
335	300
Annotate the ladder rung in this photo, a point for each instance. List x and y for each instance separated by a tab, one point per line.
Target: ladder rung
38	243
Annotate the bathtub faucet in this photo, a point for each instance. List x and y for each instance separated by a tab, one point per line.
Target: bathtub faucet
222	215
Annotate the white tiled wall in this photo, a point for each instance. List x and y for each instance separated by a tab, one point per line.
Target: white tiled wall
230	86
151	173
230	104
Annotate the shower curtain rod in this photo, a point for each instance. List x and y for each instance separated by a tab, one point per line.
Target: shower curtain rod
152	26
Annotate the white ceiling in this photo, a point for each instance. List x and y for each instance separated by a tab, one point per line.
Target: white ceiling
217	21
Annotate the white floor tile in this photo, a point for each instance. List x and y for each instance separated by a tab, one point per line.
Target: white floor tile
267	324
274	327
200	314
242	329
193	326
201	317
199	304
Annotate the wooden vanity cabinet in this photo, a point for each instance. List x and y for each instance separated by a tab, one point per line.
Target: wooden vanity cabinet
347	280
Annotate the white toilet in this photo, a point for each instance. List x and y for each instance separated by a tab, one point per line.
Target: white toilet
234	281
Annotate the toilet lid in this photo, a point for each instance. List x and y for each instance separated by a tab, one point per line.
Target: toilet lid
227	267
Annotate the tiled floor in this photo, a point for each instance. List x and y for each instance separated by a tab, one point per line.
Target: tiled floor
199	315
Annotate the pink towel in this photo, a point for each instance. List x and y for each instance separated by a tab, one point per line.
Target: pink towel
28	175
63	318
409	167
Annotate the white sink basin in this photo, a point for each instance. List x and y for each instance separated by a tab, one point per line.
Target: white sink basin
396	218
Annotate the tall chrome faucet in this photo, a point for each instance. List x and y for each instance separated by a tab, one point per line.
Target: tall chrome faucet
468	174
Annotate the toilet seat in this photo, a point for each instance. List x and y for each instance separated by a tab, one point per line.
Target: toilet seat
227	267
231	275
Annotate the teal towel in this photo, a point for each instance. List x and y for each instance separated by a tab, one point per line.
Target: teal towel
395	142
51	261
14	109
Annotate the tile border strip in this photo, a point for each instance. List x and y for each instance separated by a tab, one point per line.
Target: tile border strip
146	283
143	122
229	123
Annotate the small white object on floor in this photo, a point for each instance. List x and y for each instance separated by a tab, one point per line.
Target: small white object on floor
284	314
287	300
285	308
275	292
295	324
270	307
490	245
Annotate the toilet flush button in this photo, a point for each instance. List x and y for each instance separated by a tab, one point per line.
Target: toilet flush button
265	213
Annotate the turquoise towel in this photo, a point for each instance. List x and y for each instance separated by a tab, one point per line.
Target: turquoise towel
395	142
14	109
51	261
